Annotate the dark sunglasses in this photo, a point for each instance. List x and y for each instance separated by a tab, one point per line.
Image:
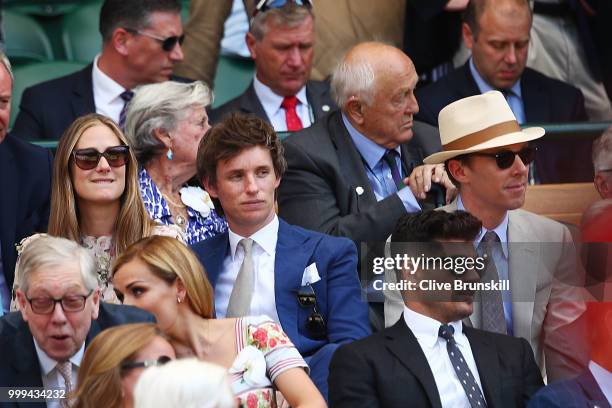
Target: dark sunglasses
314	323
505	158
88	159
265	5
167	43
128	365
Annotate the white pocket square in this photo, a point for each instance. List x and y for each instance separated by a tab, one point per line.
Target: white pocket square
311	274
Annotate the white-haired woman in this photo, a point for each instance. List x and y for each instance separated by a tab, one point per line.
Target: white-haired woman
165	123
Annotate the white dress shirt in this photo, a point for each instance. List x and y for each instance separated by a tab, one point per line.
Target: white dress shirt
51	378
603	378
263	301
425	329
106	93
271	103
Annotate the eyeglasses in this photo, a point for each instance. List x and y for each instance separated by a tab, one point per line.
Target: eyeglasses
87	159
70	304
167	43
128	365
314	323
505	158
265	5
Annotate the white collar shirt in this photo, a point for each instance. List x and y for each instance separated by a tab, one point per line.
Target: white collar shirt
264	254
271	103
603	378
51	378
106	93
426	329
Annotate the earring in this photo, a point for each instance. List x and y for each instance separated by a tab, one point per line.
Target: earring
178	299
169	154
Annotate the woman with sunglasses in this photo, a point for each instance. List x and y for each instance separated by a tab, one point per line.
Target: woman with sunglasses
94	195
164	134
114	361
164	277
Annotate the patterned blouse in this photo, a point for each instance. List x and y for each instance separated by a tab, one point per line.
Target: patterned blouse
264	352
202	224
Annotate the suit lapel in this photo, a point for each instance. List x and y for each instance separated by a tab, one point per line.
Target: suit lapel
250	103
468	87
401	342
314	94
215	255
523	267
591	389
289	264
535	99
83	99
485	355
9	180
24	358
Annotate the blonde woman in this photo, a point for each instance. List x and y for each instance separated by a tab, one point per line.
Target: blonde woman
164	277
114	361
95	198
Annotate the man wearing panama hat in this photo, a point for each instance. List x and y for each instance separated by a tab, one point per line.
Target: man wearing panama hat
487	155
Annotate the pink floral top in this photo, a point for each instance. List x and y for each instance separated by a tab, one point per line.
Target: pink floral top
263	352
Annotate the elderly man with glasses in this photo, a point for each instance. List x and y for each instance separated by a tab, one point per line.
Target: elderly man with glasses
141	43
60	313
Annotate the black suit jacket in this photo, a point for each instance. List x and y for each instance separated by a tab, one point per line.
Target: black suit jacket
317	93
389	369
25	191
546	100
19	366
321	187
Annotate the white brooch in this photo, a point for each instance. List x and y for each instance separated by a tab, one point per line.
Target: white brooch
198	199
359	190
251	363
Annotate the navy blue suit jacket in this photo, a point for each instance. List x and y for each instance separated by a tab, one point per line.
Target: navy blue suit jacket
19	366
580	392
338	291
546	100
25	191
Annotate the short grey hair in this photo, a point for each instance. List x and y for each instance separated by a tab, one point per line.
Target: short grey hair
602	151
7	64
48	251
289	15
353	79
160	106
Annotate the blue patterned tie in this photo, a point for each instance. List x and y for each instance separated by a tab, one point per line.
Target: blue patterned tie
491	301
127	97
464	374
389	158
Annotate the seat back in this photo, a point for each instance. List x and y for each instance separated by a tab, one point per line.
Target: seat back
32	74
561	202
233	76
80	35
25	39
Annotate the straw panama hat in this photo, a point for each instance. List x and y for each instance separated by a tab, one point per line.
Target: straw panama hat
478	123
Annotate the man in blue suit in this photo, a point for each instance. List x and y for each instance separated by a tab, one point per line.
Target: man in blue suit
304	280
60	313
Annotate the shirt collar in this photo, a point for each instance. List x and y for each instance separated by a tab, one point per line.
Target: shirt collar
501	230
106	87
426	329
602	377
370	151
266	238
47	364
270	101
485	87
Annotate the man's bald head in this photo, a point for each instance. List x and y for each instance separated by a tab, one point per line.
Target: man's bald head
513	9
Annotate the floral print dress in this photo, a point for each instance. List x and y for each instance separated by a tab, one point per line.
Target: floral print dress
263	352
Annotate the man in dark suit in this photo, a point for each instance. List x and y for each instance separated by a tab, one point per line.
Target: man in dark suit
25	186
429	358
281	41
346	174
141	43
499	39
305	281
592	388
60	312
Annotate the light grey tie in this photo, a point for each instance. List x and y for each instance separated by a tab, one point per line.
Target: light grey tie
491	301
65	370
240	299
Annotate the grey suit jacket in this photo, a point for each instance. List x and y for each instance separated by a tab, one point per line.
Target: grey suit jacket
546	288
317	93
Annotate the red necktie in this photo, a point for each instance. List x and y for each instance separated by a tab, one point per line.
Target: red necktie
293	120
